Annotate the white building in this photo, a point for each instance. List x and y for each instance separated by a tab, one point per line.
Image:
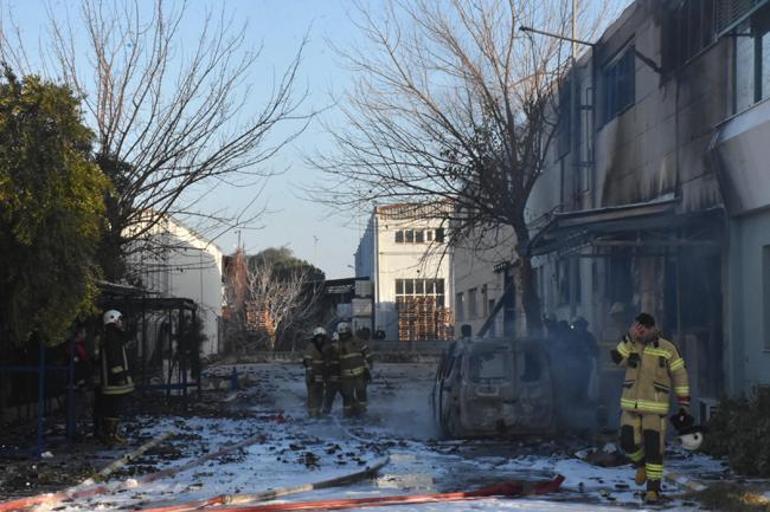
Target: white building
403	252
175	261
481	270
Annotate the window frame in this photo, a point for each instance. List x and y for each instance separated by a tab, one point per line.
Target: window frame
611	82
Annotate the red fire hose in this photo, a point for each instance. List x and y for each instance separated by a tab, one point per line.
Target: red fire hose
510	489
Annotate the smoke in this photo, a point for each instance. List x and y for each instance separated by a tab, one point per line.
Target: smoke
399	400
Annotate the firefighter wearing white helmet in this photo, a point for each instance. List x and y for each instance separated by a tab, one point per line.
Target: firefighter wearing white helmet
115	380
355	371
315	371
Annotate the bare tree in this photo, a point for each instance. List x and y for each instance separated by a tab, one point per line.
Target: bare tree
281	304
172	114
452	104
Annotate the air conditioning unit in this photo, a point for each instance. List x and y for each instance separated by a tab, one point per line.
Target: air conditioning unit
707	408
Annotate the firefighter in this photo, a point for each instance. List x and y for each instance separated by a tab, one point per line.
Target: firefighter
332	375
115	380
355	371
654	368
315	371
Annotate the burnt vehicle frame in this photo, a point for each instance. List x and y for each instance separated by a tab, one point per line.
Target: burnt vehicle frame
494	388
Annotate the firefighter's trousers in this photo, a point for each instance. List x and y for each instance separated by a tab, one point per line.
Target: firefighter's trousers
315	397
354	396
643	438
330	394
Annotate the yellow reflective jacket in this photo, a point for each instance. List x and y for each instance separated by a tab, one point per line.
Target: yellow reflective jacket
648	384
315	364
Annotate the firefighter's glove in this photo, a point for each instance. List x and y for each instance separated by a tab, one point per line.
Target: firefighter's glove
634	360
682	421
616	356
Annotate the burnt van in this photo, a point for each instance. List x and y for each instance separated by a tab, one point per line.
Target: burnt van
493	387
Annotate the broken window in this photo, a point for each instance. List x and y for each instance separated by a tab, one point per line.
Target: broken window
490	366
419	236
409	236
439	235
399	286
400	236
429	235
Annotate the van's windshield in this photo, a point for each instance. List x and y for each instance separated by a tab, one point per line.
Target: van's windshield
490	365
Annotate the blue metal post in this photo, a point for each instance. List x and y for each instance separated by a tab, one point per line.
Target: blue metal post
71	391
41	399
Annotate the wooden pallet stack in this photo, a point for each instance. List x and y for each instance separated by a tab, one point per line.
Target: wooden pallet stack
419	319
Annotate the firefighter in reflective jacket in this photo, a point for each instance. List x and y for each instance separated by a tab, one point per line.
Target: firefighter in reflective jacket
332	382
315	371
355	371
115	381
653	367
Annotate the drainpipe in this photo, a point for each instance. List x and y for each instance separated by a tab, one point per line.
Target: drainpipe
376	265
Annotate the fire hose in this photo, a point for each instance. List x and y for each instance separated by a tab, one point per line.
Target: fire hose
240	499
88	491
511	489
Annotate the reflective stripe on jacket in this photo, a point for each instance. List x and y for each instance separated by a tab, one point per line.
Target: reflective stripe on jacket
115	378
647	387
353	362
315	365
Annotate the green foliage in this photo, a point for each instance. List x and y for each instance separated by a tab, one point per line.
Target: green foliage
285	264
51	210
740	431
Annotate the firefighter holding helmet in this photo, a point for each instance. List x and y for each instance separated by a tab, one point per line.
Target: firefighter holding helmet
654	371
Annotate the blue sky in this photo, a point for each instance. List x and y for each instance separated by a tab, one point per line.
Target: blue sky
309	229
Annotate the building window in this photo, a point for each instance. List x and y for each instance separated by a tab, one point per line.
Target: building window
473	311
690	27
460	307
484	304
439	235
752	60
420	288
563	125
618	79
766	294
415	236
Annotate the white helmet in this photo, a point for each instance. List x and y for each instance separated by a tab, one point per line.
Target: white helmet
319	331
112	316
691	441
343	328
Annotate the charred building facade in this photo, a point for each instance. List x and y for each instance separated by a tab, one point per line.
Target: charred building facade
656	195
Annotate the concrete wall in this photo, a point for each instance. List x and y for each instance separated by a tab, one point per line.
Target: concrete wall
474	263
747	355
